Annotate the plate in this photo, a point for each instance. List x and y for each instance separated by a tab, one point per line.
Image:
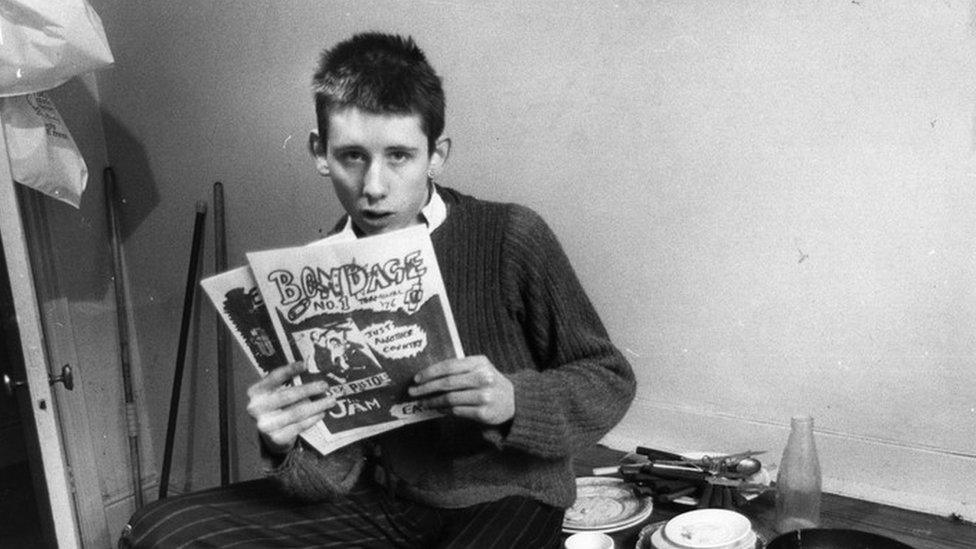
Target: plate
605	504
652	537
658	541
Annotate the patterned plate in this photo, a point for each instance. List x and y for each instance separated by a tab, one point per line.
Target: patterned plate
605	504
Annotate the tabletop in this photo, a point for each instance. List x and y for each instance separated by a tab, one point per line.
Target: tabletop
919	530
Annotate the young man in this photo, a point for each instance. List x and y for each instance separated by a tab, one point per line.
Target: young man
541	379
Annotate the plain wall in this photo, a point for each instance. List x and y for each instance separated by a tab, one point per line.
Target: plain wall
770	203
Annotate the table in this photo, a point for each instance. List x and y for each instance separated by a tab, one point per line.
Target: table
920	530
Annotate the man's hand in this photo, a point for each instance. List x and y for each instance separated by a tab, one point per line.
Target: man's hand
469	387
282	412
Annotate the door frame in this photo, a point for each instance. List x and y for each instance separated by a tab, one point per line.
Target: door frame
43	406
73	418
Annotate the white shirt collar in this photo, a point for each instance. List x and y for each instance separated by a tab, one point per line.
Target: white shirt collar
434	214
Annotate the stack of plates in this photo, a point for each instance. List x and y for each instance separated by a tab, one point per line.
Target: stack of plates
703	529
605	504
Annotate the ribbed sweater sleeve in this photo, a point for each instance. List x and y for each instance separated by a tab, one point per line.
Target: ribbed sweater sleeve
581	385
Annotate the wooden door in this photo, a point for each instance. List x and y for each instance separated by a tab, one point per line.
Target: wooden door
38	411
23	499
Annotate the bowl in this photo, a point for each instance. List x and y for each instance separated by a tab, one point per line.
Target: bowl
588	540
709	529
833	538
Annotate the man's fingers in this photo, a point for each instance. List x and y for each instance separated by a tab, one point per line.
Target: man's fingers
284	438
458	399
456	382
308	423
299	409
449	367
285	373
482	414
476	413
454	374
308	390
285	397
320	405
278	377
296	415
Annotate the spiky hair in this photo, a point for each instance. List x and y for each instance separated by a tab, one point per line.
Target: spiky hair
380	74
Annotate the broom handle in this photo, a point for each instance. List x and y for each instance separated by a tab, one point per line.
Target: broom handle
131	418
223	380
174	401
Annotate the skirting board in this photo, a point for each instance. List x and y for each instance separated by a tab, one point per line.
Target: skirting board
922	479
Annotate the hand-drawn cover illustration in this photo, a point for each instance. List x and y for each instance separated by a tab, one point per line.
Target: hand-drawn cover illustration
236	296
365	315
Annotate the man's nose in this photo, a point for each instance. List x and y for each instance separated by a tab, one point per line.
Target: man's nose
374	186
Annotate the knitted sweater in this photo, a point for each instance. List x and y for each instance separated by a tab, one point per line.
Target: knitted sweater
516	300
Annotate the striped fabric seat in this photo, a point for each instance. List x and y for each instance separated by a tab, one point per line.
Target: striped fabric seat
255	514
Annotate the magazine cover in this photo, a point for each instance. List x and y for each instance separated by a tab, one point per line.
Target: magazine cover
365	315
238	301
236	297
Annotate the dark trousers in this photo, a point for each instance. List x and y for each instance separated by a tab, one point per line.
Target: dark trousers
256	514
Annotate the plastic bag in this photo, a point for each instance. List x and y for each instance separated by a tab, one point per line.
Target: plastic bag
44	43
43	155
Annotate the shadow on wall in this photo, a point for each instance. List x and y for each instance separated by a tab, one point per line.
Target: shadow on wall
84	232
135	185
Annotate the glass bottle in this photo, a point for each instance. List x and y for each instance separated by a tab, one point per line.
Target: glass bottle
798	480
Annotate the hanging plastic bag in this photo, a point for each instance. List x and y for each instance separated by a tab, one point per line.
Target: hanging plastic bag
43	155
44	43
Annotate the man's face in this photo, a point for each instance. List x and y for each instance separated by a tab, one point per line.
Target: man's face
378	165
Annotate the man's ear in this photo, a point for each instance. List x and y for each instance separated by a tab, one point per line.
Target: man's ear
317	149
438	157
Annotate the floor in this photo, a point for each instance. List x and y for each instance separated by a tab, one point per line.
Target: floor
20	526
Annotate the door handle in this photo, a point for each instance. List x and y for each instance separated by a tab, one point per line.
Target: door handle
67	377
9	385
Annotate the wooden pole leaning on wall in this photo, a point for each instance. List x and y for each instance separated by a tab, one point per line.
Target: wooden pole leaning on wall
122	317
223	349
192	276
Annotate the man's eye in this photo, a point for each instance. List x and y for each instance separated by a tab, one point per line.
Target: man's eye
351	157
400	157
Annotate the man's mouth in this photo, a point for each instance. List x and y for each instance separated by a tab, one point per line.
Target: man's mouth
375	216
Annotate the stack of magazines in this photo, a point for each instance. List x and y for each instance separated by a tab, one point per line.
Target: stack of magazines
364	315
